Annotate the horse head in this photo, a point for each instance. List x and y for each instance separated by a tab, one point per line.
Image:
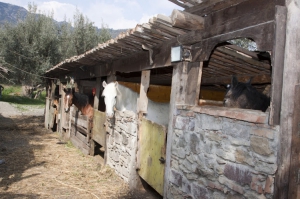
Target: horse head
244	95
68	100
109	93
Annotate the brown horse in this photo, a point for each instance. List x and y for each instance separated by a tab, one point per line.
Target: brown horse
81	101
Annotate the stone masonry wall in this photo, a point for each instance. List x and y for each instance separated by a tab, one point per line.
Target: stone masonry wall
122	145
218	158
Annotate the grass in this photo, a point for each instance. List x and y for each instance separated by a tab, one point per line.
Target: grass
13	95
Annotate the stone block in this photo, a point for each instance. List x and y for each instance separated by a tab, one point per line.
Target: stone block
238	173
231	184
124	139
239	142
216	136
260	145
226	155
176	178
182	123
263	132
236	130
178	152
244	156
204	121
174	164
118	138
215	185
186	186
269	185
218	195
200	192
254	195
189	166
265	167
194	143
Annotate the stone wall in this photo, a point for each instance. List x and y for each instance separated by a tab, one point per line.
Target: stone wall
121	144
216	157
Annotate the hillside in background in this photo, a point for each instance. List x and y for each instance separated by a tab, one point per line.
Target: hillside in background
12	14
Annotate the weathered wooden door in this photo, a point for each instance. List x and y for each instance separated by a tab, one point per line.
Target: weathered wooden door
99	132
151	154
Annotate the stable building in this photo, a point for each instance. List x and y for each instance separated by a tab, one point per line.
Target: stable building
187	59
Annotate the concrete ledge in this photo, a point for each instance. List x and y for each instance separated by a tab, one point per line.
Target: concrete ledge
248	115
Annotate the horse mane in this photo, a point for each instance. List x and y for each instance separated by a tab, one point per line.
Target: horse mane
81	99
257	99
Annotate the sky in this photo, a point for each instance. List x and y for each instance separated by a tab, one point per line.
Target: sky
116	14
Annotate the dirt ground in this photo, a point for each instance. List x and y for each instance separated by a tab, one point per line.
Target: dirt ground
34	163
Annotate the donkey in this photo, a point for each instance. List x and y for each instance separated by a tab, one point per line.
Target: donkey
244	95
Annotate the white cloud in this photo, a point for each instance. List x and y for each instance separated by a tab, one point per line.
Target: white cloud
110	14
61	10
117	14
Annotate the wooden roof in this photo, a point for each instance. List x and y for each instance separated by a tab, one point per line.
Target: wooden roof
157	31
225	60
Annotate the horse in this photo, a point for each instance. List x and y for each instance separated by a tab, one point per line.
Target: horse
244	95
123	98
81	101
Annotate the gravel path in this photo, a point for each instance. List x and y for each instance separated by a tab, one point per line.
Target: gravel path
7	110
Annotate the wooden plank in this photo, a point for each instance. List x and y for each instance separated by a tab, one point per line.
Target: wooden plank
294	181
99	131
143	99
257	79
80	128
291	76
278	63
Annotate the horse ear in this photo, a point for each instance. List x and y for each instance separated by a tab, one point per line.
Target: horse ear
116	84
104	84
249	81
234	81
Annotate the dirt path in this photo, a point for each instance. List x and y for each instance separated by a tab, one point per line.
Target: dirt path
35	164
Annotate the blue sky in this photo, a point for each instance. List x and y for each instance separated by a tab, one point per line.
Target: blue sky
117	14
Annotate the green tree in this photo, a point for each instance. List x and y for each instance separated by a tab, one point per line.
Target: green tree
38	43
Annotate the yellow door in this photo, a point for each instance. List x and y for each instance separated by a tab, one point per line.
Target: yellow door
151	154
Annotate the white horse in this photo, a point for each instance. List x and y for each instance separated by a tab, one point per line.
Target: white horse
123	98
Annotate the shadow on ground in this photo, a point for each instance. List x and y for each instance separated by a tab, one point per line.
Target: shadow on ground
16	152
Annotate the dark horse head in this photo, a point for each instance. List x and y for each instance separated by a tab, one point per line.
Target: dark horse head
71	97
244	95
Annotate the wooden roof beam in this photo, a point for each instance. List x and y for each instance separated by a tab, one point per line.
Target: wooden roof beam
186	20
257	79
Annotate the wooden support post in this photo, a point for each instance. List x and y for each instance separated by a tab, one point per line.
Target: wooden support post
190	83
143	99
111	78
97	95
291	74
142	106
278	63
185	90
62	108
294	186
